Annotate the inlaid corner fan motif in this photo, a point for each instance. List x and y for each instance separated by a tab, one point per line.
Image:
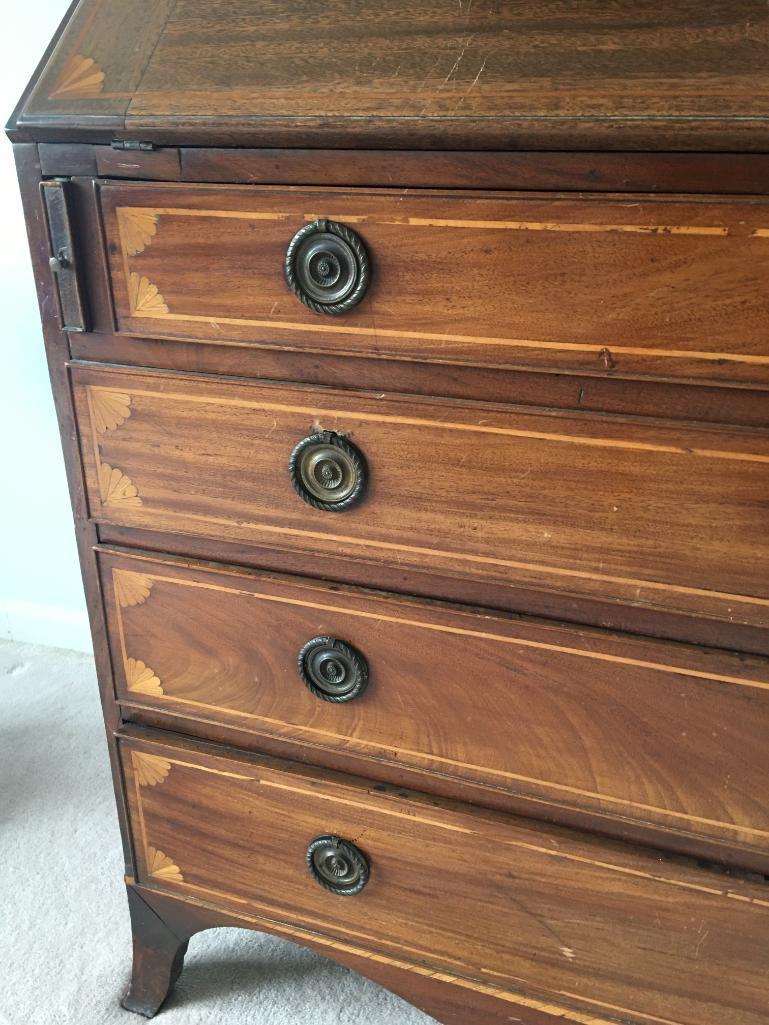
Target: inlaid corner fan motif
80	78
137	228
150	769
116	489
109	408
144	298
131	588
160	866
141	679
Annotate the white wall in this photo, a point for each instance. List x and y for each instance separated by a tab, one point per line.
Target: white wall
41	597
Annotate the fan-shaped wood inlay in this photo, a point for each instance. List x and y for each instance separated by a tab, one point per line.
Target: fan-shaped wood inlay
160	866
149	769
110	408
80	78
141	679
137	228
116	489
144	297
131	588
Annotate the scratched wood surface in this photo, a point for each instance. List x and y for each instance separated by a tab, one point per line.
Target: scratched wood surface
535	911
469	74
669	514
638	729
642	286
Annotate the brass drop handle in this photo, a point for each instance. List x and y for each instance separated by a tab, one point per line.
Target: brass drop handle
327	267
337	865
332	670
328	472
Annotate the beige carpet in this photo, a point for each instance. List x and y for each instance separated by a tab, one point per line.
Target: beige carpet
64	937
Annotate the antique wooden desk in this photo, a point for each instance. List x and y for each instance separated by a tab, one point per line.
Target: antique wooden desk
412	365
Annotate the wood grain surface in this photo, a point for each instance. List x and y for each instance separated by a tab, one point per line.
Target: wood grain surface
467	75
642	730
673	515
540	914
640	287
447	997
559	391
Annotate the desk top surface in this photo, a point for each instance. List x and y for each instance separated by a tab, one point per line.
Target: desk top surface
437	74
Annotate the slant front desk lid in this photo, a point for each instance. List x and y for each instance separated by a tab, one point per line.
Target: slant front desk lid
438	74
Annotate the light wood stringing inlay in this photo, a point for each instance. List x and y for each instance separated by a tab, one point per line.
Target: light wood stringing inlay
369	745
442	628
551	852
567	1014
449	425
303	921
495	225
555	571
524	343
422	222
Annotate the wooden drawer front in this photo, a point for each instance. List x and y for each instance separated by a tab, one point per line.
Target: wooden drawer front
643	730
674	288
540	912
669	515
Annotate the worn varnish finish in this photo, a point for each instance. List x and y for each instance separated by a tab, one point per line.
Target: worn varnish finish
737	173
558	572
528	904
466	75
504	702
445	996
674	515
634	287
635	617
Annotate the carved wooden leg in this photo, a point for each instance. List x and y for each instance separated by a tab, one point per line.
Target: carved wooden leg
158	958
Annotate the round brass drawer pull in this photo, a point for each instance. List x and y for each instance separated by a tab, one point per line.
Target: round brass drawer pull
332	670
328	472
327	267
337	865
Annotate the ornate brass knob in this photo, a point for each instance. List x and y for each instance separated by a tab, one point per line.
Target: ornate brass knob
327	267
328	472
337	865
332	670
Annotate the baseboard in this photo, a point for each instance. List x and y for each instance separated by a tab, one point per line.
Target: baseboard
51	625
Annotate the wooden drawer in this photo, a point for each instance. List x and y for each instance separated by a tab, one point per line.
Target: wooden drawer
546	917
640	286
665	515
639	730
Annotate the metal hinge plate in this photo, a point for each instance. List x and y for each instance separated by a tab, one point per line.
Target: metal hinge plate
63	258
132	144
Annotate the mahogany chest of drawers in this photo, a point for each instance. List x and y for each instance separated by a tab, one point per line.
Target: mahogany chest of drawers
412	366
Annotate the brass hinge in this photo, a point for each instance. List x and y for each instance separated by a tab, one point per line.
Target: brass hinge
132	144
62	261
